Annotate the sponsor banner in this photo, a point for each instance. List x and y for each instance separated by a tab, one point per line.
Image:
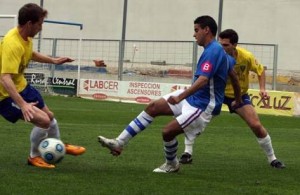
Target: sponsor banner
140	92
125	91
35	79
65	86
145	92
56	81
279	103
297	104
99	89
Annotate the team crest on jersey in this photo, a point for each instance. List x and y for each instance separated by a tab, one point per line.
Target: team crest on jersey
242	68
206	67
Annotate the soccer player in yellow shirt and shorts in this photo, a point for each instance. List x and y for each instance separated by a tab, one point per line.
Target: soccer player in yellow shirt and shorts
18	99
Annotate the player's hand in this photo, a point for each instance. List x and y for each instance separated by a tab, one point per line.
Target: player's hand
62	60
174	100
28	111
264	94
236	104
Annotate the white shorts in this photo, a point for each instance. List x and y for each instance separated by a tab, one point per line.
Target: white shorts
191	119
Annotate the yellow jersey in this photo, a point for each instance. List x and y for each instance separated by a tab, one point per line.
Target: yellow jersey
15	54
245	62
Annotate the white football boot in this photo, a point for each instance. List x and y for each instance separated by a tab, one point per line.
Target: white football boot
168	168
113	145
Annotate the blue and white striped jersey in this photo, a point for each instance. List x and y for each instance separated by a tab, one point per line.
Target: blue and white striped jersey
215	64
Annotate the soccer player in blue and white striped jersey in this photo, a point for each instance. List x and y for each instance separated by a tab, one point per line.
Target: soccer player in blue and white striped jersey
192	108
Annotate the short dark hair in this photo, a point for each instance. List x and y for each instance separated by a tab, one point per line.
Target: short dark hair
31	12
231	35
205	21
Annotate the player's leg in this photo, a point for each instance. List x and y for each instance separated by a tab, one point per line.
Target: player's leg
11	112
54	132
248	114
186	156
191	122
40	120
44	119
141	122
144	119
136	126
170	148
39	132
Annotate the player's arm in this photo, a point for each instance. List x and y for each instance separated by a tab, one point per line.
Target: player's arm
236	88
38	57
27	108
259	69
262	85
199	83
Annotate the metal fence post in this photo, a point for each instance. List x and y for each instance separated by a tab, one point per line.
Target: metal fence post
195	57
54	47
275	58
121	59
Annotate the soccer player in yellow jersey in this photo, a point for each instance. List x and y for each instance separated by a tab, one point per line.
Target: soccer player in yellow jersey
245	62
19	100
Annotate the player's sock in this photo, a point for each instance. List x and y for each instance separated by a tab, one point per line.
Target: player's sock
170	149
37	134
136	126
266	145
53	131
188	145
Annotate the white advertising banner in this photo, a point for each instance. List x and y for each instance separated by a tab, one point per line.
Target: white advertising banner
99	89
279	103
125	91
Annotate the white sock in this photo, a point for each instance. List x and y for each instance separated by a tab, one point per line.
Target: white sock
54	129
188	145
266	145
36	136
136	126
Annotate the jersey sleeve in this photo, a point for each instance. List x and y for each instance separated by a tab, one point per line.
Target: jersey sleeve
206	68
206	65
11	58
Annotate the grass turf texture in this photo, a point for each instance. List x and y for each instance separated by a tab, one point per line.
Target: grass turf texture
227	158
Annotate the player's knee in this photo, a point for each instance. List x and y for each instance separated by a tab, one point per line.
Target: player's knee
170	133
151	109
45	123
50	115
167	136
258	129
255	125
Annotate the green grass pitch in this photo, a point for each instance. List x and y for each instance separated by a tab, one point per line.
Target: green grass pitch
227	158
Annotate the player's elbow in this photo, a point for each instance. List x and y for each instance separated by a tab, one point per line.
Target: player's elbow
4	79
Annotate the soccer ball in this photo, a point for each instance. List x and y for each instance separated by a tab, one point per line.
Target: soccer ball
52	150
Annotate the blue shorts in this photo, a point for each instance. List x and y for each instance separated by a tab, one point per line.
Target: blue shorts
245	98
12	112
